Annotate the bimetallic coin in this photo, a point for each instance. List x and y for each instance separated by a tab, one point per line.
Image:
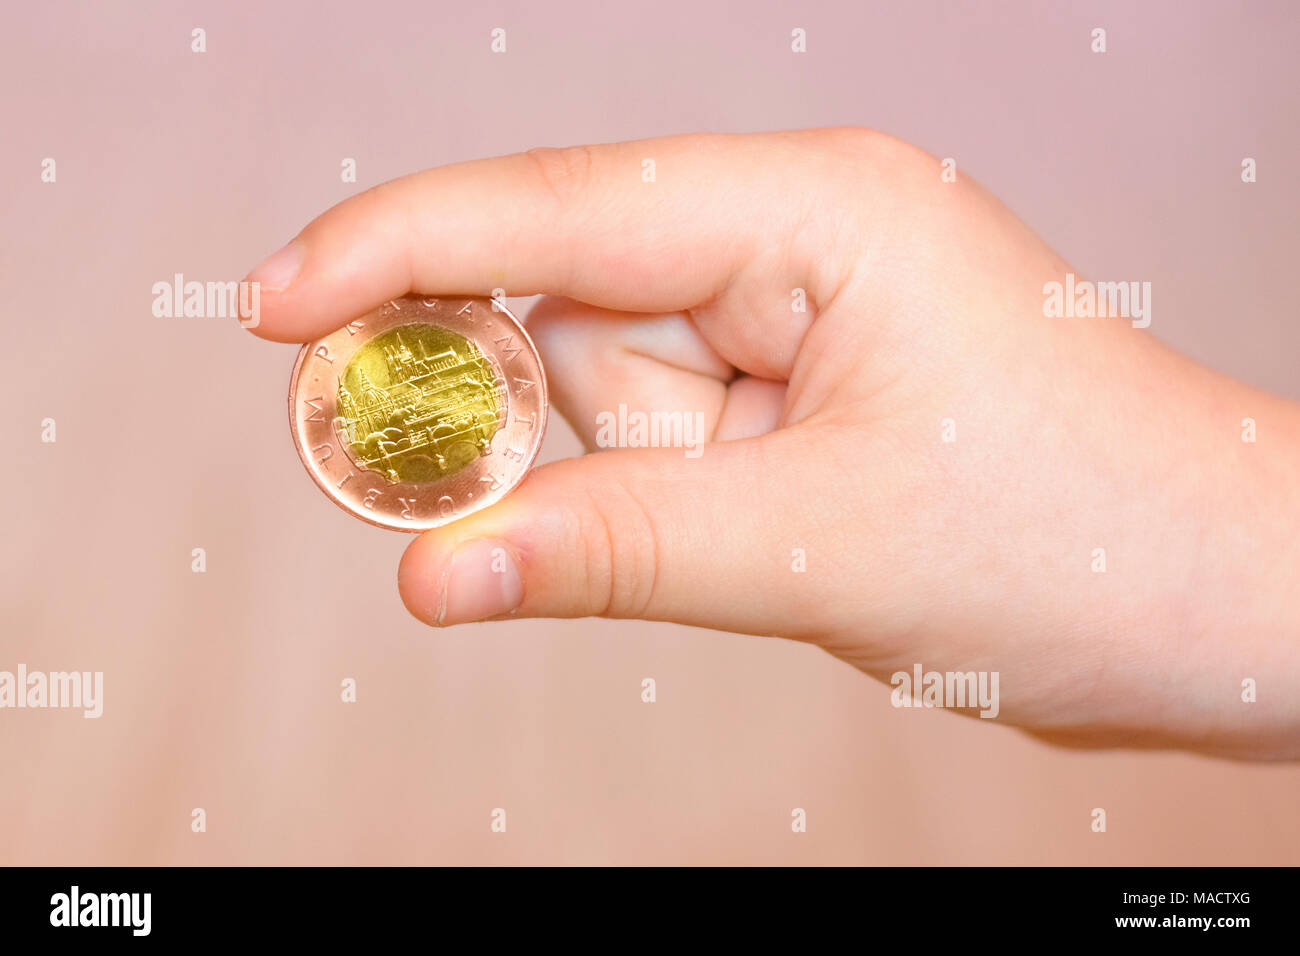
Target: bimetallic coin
421	412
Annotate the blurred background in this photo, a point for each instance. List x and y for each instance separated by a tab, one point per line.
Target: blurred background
222	688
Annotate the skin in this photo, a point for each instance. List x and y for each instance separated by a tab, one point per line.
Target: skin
924	303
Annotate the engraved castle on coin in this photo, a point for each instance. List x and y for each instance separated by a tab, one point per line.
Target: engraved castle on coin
418	403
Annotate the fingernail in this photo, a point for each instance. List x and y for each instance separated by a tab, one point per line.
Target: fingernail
279	269
481	582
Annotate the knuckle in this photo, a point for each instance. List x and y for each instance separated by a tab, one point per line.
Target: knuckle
849	137
565	172
863	146
622	554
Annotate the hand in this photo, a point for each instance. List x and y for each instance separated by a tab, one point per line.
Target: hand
946	458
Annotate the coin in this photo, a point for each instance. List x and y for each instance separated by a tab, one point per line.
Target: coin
420	412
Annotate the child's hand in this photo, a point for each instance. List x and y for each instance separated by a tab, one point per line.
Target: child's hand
952	468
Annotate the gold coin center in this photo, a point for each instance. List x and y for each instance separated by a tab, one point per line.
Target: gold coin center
418	403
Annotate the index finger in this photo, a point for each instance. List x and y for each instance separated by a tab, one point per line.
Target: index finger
649	226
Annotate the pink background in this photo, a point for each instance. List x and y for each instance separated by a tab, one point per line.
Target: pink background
222	689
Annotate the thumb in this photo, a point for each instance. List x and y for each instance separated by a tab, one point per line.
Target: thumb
629	533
